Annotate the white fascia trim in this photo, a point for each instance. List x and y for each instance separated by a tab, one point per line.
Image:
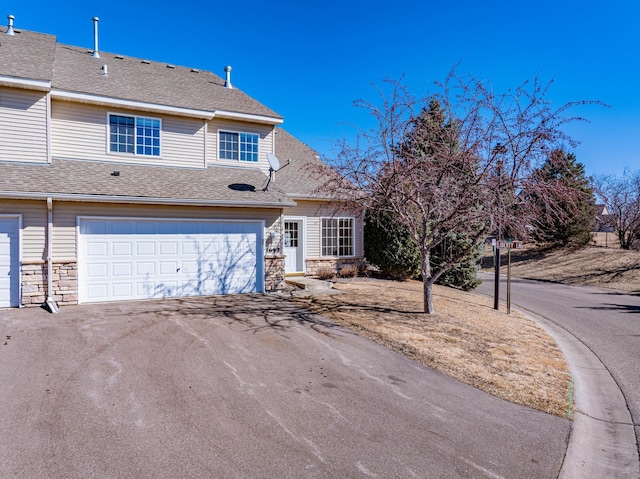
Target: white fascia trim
144	200
231	115
40	85
130	104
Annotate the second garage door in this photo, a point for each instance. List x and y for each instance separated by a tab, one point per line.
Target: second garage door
122	259
9	261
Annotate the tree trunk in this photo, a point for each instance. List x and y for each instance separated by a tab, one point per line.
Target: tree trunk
624	239
427	283
428	296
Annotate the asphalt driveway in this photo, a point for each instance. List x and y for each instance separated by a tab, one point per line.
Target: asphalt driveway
243	386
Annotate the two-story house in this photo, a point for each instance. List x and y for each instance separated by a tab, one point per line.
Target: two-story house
122	178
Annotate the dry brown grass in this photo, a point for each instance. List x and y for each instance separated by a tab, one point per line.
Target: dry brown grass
611	268
508	356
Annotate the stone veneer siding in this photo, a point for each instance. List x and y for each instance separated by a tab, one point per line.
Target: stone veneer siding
64	278
274	273
336	264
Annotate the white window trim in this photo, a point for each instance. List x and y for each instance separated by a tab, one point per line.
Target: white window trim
134	154
238	132
353	235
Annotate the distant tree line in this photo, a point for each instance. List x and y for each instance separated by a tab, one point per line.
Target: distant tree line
621	196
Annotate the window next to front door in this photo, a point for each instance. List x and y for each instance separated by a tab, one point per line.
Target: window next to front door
337	236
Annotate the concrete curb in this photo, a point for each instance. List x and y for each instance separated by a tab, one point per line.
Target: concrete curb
602	441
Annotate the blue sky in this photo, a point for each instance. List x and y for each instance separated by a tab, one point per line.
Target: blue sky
309	61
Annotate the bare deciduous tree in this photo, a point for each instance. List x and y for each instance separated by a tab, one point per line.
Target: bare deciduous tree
621	195
459	161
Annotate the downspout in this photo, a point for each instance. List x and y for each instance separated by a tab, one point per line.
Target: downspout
50	303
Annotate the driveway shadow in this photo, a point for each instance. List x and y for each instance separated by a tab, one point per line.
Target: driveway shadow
256	312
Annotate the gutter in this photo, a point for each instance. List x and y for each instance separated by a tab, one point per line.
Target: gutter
130	104
302	196
27	84
270	120
318	197
145	200
158	108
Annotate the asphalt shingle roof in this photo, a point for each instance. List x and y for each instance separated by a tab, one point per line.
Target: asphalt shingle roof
27	55
150	82
306	174
31	55
214	185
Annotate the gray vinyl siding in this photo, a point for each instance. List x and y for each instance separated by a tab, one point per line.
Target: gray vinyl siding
34	223
313	211
23	126
80	132
265	143
65	218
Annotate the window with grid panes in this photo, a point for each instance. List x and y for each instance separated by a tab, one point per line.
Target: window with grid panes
290	234
238	146
134	135
337	236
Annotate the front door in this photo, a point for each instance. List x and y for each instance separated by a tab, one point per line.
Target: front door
293	251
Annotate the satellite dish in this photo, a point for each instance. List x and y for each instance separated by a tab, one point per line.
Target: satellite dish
274	163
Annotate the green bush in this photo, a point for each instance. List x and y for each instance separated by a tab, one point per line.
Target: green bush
388	246
464	274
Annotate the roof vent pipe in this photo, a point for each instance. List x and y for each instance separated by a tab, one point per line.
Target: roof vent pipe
95	37
227	81
10	31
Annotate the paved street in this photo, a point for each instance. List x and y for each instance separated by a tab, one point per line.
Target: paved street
607	322
243	386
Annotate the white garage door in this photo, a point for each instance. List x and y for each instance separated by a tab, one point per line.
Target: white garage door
139	258
9	261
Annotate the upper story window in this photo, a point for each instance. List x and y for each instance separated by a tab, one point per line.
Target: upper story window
134	135
238	146
337	236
